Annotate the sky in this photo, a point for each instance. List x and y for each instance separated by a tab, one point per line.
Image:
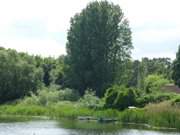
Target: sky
39	27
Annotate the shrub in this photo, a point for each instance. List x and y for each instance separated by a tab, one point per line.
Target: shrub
69	94
154	83
43	97
153	98
31	100
91	101
176	101
50	95
47	96
120	97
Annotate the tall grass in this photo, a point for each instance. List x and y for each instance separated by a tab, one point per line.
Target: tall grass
134	116
49	103
164	114
159	115
30	110
58	110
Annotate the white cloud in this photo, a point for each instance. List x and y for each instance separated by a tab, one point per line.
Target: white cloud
41	47
156	36
140	54
142	12
146	18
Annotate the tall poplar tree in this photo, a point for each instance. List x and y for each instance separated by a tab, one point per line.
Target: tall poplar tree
98	47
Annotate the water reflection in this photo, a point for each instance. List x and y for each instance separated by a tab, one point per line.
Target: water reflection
89	125
94	128
70	127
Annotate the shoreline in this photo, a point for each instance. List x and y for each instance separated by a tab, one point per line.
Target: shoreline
23	118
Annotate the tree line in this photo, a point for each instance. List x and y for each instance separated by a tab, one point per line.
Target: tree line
21	74
99	45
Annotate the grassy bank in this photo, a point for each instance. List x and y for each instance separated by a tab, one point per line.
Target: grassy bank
164	110
157	115
64	109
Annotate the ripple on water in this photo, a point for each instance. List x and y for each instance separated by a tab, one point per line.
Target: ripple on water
55	128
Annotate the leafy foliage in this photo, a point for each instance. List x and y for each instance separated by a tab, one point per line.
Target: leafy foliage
21	74
91	101
120	97
145	67
50	95
155	97
159	66
18	75
154	83
98	47
176	69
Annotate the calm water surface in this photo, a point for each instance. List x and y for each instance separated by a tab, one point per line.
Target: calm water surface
71	128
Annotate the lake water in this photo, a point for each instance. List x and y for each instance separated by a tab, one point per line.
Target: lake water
72	128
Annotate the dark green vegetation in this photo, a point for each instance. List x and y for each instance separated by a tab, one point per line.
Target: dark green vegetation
21	74
176	68
99	45
18	75
120	97
96	78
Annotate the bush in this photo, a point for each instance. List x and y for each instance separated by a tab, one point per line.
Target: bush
31	100
153	98
69	94
17	76
43	97
154	83
120	97
50	95
90	100
176	101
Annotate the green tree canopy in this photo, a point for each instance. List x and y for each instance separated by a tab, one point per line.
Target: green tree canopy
120	97
145	67
176	68
18	75
98	47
